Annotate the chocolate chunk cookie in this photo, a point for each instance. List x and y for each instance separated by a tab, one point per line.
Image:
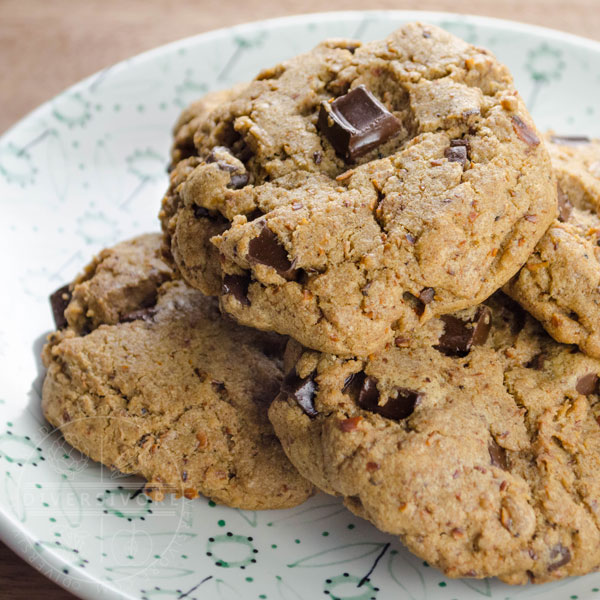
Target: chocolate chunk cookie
560	284
168	390
476	441
359	190
119	281
202	225
192	118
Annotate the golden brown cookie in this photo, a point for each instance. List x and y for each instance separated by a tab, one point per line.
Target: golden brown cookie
192	117
168	390
560	283
476	441
360	189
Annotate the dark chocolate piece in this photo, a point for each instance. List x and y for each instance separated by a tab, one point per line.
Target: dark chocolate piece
237	286
302	390
570	140
498	456
460	336
458	151
524	132
59	301
200	212
415	303
238	181
587	384
353	384
266	249
212	157
537	362
565	208
397	407
356	123
563	554
426	295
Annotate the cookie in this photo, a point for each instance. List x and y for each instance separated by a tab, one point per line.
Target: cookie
359	190
172	391
191	228
119	281
476	441
560	283
192	117
183	162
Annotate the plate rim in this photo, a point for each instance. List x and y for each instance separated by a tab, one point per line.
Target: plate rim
276	22
20	540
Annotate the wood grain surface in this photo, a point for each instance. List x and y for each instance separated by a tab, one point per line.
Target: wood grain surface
46	45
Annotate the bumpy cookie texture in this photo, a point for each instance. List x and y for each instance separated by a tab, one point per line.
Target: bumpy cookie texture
193	226
476	441
175	394
200	224
119	281
365	188
192	118
560	284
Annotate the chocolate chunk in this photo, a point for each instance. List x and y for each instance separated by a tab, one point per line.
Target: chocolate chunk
354	384
302	390
587	384
317	157
426	295
356	123
266	249
460	336
537	362
237	286
563	554
238	181
458	151
524	132
399	406
565	208
214	157
59	301
570	140
497	455
200	212
415	303
143	314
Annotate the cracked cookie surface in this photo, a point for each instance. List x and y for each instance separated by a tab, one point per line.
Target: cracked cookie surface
361	189
560	283
169	390
476	441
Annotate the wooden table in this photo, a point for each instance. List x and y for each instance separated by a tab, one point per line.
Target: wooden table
48	45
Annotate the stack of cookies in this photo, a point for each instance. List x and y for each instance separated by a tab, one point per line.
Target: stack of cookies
376	277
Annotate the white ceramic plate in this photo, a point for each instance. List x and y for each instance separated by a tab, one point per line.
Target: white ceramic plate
88	169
